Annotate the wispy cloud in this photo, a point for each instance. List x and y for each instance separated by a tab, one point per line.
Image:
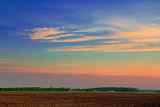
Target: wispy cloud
145	40
139	40
140	33
56	35
112	48
81	39
118	35
42	33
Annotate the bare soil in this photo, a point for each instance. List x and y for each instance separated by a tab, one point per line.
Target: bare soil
78	99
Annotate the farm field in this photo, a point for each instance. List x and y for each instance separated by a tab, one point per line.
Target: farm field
78	99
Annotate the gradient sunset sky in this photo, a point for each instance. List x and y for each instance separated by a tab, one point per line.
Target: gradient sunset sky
76	40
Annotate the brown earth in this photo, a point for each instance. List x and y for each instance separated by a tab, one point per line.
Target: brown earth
70	99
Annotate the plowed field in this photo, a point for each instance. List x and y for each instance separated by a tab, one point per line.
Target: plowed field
71	99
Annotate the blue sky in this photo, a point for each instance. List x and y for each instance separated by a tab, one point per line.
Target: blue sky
18	16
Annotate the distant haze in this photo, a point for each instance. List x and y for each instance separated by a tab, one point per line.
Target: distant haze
75	81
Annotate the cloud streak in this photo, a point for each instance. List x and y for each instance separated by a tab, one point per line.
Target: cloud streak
117	35
42	33
113	48
140	33
55	35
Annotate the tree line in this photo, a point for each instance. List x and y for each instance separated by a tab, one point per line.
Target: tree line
67	89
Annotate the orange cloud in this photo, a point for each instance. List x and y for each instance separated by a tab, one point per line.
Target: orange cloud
54	35
138	40
145	40
112	48
140	33
80	39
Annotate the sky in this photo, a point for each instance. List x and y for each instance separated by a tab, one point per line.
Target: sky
68	42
